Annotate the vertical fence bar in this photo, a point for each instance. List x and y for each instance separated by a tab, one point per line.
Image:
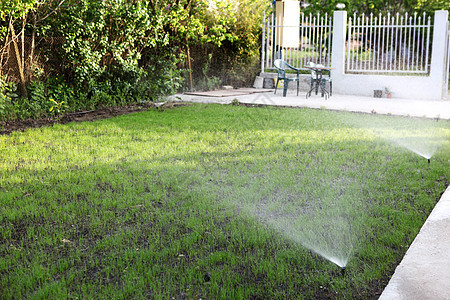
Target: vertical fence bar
388	46
324	39
330	26
418	42
275	39
310	36
304	37
314	35
404	46
428	43
357	44
382	41
422	44
370	22
349	37
379	42
302	47
297	49
375	44
413	40
396	41
293	55
317	39
269	34
391	43
320	29
363	42
263	53
409	43
354	43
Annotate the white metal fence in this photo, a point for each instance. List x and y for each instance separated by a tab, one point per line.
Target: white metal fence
399	44
314	43
375	44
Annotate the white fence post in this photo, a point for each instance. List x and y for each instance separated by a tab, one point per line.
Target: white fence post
437	71
338	49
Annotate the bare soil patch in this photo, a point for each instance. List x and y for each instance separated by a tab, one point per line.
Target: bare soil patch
7	127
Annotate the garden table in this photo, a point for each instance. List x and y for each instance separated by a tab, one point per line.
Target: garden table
318	81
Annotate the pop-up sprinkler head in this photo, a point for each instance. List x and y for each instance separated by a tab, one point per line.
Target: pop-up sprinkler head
429	160
343	271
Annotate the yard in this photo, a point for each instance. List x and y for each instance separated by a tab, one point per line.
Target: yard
217	202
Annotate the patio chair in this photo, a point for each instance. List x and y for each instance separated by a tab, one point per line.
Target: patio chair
323	80
281	65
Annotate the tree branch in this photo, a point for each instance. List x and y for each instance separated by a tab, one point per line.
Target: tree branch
52	12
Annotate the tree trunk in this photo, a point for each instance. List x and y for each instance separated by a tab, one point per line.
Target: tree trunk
19	63
189	66
33	45
4	52
22	39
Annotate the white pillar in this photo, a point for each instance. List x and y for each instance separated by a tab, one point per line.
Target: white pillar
338	48
438	67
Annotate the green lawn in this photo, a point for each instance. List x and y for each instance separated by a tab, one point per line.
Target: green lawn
215	202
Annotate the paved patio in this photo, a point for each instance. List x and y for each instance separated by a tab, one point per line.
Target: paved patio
424	272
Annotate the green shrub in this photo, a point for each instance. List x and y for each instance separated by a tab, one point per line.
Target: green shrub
8	94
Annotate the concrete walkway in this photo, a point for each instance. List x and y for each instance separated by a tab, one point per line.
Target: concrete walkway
403	107
424	272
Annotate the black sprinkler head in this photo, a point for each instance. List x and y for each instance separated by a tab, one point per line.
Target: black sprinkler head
429	160
343	271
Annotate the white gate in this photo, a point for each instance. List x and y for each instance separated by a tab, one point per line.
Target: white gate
314	45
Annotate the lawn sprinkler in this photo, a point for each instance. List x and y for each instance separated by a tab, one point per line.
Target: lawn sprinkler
343	271
429	160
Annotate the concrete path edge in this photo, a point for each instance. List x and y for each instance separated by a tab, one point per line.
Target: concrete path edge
424	272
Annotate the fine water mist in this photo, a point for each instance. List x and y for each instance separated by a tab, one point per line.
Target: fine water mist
324	219
317	187
423	137
421	145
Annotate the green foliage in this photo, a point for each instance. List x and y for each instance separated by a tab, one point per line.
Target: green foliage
233	39
102	41
118	51
16	8
207	82
8	94
57	108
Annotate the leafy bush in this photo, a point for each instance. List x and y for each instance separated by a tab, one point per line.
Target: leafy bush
8	93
